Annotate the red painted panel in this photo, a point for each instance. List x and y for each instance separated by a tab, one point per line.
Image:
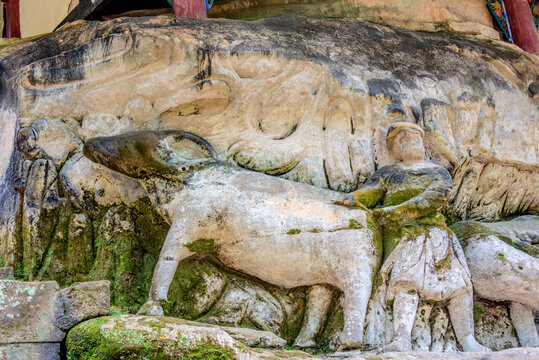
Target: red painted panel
13	19
190	9
522	25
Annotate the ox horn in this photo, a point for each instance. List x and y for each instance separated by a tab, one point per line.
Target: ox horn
178	135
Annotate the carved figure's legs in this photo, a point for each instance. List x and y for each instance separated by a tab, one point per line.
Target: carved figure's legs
318	302
356	298
461	313
173	251
522	318
404	311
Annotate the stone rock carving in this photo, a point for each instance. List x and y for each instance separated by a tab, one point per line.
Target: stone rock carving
285	233
422	257
271	98
506	269
277	104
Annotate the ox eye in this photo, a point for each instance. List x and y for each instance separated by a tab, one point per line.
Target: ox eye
184	168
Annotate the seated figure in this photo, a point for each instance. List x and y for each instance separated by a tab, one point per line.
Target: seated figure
422	257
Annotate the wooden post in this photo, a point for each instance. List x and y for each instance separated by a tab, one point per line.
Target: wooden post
190	9
522	25
13	19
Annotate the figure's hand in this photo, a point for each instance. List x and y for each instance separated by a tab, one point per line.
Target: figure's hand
389	212
348	200
345	202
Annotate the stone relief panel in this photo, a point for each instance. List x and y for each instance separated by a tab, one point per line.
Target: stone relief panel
306	110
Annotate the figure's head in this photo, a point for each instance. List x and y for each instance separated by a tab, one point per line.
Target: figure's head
405	142
142	153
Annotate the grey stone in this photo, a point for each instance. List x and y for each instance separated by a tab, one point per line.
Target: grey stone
83	301
6	272
510	354
46	351
29	311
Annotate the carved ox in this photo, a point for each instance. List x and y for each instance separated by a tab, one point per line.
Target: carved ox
286	233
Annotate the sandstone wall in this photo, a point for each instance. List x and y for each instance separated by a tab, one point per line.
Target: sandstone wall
470	16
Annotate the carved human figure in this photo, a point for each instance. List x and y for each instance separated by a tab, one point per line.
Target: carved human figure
422	257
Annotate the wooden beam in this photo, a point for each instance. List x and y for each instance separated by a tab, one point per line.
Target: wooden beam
190	9
522	25
13	19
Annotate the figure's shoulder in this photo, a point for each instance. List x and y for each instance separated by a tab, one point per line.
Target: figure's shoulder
387	170
441	172
438	173
426	168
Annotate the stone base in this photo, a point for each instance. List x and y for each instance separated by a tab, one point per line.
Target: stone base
6	273
513	354
47	351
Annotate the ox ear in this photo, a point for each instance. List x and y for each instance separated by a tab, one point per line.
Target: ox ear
179	146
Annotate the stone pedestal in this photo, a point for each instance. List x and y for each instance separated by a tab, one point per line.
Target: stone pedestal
35	316
30	351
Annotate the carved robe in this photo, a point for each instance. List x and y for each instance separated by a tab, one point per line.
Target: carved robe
420	252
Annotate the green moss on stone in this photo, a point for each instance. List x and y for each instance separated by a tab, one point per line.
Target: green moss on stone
92	340
293	231
465	230
202	246
478	313
354	224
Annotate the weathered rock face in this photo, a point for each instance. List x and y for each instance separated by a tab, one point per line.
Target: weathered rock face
469	16
166	338
35	316
83	301
29	312
307	100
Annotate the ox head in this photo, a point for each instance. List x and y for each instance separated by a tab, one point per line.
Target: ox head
145	153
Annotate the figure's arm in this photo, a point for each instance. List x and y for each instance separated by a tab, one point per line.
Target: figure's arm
368	195
435	196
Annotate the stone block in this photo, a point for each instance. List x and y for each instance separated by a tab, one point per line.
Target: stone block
48	351
6	273
29	312
83	301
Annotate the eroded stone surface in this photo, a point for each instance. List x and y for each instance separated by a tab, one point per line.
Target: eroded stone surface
48	138
6	273
84	301
50	351
110	337
462	16
29	312
86	181
513	354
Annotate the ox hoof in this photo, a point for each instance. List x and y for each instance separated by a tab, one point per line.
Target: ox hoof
469	344
151	308
399	344
304	343
348	342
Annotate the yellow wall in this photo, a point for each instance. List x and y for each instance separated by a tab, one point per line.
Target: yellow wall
1	18
41	16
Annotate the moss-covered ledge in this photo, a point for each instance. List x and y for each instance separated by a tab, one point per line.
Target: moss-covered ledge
147	337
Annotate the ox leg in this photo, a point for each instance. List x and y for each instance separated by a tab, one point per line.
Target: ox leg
318	301
461	313
522	317
173	251
356	299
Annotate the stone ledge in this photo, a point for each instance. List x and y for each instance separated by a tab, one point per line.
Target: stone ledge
513	354
45	351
